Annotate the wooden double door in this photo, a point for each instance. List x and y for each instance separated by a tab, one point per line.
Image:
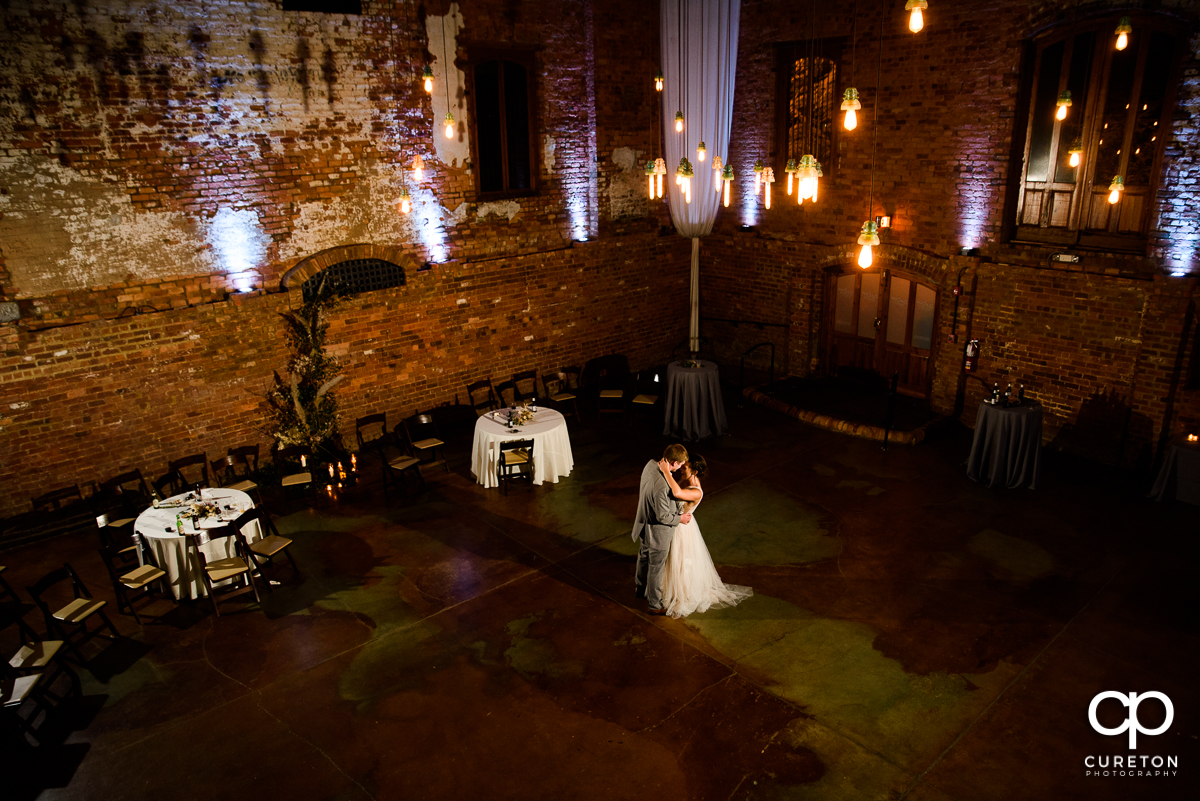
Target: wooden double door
884	321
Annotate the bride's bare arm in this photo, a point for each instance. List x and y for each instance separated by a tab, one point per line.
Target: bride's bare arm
682	493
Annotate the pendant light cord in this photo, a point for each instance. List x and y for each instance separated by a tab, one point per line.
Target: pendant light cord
875	123
446	62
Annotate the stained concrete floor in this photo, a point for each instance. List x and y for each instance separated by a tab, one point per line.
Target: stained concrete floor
912	635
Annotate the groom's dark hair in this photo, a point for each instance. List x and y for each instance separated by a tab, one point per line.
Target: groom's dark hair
675	453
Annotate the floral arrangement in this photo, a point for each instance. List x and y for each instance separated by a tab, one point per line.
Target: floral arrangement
691	364
520	415
302	410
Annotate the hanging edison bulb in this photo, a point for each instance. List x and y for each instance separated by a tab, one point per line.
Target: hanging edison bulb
650	173
726	177
850	104
868	238
807	173
718	173
1075	152
678	122
916	20
758	170
768	179
1064	102
660	172
449	126
405	201
427	77
658	81
701	151
1116	188
418	167
1124	28
790	169
683	177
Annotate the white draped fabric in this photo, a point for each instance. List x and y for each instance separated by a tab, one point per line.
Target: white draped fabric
699	56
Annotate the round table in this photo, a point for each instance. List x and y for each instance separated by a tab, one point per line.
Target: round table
695	409
552	456
1004	451
157	526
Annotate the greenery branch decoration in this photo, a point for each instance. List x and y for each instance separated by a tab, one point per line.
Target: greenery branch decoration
303	409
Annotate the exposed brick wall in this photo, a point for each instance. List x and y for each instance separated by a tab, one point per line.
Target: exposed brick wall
83	402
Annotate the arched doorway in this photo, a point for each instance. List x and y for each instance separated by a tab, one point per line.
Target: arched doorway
882	320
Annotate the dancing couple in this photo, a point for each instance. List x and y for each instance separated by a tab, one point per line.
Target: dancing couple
675	573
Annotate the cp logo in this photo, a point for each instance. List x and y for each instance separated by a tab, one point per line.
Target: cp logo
1131	723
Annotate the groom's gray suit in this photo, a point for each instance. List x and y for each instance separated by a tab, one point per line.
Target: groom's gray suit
657	517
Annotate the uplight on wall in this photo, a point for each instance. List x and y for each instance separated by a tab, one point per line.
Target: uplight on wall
916	20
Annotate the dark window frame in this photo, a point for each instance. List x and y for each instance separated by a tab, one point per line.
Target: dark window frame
526	57
1034	212
832	49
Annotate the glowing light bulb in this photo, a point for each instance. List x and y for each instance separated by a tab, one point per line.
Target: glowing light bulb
789	188
658	81
449	126
767	196
418	167
718	171
726	199
428	76
865	258
405	202
851	121
1114	196
1074	160
916	20
660	185
1061	113
1124	28
678	122
701	151
1122	41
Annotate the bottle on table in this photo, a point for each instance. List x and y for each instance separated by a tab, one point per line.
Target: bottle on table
1021	393
1008	394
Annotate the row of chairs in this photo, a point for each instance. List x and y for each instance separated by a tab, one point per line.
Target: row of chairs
559	390
414	443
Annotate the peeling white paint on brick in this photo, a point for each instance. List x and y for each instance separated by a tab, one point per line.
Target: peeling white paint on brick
627	188
548	146
60	353
456	151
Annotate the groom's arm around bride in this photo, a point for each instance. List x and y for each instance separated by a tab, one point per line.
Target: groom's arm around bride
657	517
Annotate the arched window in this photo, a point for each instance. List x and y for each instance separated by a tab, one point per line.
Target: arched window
808	105
1115	126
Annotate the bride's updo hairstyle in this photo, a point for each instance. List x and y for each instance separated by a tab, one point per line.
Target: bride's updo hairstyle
698	466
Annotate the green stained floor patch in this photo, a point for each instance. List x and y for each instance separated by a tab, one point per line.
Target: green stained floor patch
529	655
754	523
854	774
381	599
831	670
388	665
1016	558
575	516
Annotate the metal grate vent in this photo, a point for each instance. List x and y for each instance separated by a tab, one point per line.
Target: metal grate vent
357	275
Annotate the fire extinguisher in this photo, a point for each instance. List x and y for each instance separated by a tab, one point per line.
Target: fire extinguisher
972	352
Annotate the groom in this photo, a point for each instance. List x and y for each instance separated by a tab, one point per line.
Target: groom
657	517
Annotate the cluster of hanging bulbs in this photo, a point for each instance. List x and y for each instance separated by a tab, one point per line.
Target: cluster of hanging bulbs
418	165
685	172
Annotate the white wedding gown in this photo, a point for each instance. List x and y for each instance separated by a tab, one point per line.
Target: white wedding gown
690	580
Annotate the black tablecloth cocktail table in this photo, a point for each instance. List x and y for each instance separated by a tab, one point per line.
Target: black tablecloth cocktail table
1007	442
695	409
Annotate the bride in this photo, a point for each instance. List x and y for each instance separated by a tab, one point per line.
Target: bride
690	580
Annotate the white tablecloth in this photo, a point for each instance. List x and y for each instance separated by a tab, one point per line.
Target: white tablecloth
157	526
551	446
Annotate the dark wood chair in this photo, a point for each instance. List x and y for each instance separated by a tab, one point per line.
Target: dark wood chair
269	545
506	393
295	466
558	396
526	384
190	471
235	469
122	498
239	567
648	391
515	462
481	396
396	460
132	582
6	590
57	499
69	622
424	441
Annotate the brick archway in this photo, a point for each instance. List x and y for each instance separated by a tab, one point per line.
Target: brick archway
308	267
931	268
